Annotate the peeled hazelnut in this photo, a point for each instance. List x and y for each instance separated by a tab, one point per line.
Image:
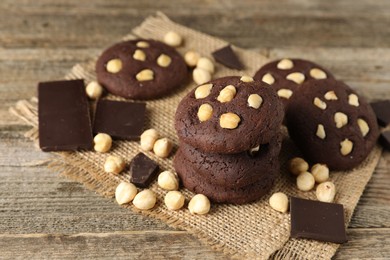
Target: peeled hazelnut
229	120
346	147
199	204
326	192
191	58
279	202
114	164
285	93
319	103
114	65
94	90
206	64
285	64
201	76
164	60
340	119
145	200
125	192
162	147
227	94
173	39
174	200
305	181
102	143
363	126
139	55
297	77
142	44
203	91
145	75
317	73
246	79
268	78
255	101
353	100
148	138
297	165
321	131
168	181
205	112
330	95
320	172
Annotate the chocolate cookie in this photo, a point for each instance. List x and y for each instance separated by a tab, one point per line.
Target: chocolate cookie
234	170
286	75
229	115
140	69
331	124
220	194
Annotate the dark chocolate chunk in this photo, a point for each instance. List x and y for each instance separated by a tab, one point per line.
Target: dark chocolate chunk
63	114
317	220
382	112
123	120
227	57
384	139
143	170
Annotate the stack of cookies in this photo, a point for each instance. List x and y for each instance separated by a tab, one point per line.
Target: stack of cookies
229	131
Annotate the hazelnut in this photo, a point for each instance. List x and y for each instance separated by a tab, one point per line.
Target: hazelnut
319	103
205	112
162	147
145	75
139	55
199	204
317	73
326	192
246	79
145	200
148	138
285	93
305	181
114	164
297	77
340	119
229	120
173	39
353	100
102	143
164	60
346	147
201	76
114	65
268	78
227	94
255	101
142	44
320	172
125	192
174	200
168	181
191	58
279	202
297	165
205	64
330	95
203	91
321	131
363	126
94	90
285	64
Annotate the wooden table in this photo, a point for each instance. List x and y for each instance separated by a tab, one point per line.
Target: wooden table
43	215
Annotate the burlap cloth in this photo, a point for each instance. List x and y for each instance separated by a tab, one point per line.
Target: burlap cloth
247	231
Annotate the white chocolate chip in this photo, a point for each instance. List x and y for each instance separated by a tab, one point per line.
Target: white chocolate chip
94	90
227	94
173	39
340	119
114	164
191	58
297	77
346	147
321	131
145	75
114	65
205	112
279	202
305	181
125	192
363	126
229	120
353	100
164	60
139	55
174	200
246	79
203	91
285	93
319	103
148	138
201	76
317	73
168	181
326	192
297	165
162	147
255	101
199	204
330	95
145	200
142	44
254	150
206	64
268	78
320	172
285	64
102	143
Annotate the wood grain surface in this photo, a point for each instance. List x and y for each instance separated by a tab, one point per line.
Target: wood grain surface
43	215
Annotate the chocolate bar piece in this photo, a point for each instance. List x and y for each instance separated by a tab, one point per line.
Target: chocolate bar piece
143	170
227	57
317	220
123	120
63	115
382	112
384	139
